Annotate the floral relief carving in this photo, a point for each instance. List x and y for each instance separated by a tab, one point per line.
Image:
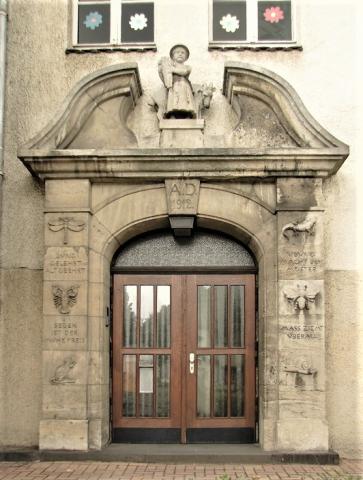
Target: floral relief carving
65	298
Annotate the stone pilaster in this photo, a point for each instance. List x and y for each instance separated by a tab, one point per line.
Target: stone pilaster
301	332
66	357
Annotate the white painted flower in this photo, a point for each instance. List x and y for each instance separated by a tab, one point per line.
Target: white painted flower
138	21
230	23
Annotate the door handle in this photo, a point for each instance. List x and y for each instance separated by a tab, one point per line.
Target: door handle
191	362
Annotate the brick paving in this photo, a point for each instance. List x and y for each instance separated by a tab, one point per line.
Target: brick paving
347	470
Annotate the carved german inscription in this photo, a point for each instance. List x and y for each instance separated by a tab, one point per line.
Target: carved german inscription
182	196
302	332
65	333
66	263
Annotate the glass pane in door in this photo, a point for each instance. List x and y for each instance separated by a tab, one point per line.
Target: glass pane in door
220	386
238	315
146	315
204	315
204	386
130	315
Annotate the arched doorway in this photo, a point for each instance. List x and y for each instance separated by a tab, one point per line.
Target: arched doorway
184	340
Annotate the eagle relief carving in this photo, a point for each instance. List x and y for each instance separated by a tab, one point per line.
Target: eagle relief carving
64	298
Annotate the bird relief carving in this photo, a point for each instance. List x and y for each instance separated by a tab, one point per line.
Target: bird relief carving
64	298
301	297
62	373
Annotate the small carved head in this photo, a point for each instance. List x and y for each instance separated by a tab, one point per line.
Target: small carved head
179	53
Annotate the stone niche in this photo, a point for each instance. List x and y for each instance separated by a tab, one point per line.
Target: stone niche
256	173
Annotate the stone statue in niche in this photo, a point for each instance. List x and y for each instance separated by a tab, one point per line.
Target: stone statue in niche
62	373
184	101
174	74
300	297
64	298
306	226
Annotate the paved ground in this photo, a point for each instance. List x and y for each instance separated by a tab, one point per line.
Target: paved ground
347	470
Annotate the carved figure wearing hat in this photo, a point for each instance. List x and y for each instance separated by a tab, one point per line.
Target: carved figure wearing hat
174	75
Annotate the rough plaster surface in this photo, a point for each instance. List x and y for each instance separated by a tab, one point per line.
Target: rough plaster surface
20	346
38	79
344	364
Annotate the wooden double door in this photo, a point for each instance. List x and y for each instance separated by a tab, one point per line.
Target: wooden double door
184	359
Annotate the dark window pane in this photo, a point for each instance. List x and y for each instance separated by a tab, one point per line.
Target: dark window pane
274	21
94	23
137	22
229	20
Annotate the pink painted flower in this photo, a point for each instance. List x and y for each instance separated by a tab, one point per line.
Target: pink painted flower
273	14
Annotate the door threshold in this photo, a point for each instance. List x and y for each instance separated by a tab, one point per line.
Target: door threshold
191	453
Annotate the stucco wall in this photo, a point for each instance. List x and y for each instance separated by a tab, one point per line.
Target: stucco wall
39	76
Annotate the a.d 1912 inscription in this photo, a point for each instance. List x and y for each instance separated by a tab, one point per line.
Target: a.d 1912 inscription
182	196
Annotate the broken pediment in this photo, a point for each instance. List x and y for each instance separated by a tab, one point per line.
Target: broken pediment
95	112
264	101
256	126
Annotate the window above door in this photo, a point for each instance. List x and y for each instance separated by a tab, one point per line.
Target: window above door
253	24
113	23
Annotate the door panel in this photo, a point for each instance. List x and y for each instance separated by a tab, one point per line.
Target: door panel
183	358
147	334
221	383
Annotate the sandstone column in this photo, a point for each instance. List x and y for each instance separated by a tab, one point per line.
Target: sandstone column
302	413
64	423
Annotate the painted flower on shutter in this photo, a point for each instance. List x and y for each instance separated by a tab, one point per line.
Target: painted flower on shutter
93	20
273	14
138	21
230	23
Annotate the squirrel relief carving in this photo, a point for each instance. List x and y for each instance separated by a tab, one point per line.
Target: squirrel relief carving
62	373
306	226
64	298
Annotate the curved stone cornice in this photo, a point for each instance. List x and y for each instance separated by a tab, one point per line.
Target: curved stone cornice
242	79
116	81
